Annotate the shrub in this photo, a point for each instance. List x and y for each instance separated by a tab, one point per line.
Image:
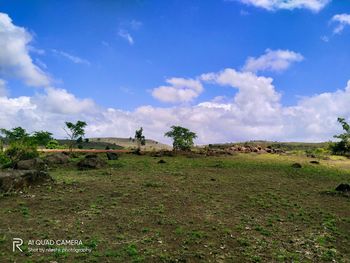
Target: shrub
53	144
21	150
318	153
4	160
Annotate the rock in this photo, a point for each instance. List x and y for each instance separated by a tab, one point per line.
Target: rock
57	158
31	164
112	156
161	161
315	162
91	161
12	180
343	188
296	165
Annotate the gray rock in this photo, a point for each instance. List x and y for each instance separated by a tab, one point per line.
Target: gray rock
112	156
57	158
91	162
13	180
31	164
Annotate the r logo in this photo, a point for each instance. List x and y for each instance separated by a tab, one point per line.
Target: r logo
17	243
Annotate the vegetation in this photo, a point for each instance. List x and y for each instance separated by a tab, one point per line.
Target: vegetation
21	150
53	144
182	138
241	208
42	138
343	146
75	132
15	135
140	138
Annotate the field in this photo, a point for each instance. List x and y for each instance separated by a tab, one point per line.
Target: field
240	208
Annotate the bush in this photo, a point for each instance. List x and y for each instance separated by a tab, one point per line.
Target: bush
53	144
318	153
4	160
21	150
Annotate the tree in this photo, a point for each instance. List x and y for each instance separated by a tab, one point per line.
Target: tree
182	138
343	146
16	134
75	131
42	137
140	138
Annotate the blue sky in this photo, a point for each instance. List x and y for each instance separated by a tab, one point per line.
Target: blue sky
117	53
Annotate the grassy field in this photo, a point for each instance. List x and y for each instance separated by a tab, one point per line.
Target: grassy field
241	208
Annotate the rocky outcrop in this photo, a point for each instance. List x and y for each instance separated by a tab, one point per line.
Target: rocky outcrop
112	156
241	149
31	164
57	158
91	161
13	180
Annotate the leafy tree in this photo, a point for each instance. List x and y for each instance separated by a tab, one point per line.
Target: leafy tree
42	137
16	134
343	146
182	138
140	138
75	132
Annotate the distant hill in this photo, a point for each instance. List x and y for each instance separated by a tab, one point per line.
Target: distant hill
131	143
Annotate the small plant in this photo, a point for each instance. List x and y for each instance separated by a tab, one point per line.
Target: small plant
75	132
52	144
140	138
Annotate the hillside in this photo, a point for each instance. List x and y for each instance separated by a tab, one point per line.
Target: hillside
131	143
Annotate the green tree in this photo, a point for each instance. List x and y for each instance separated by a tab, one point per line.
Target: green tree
42	137
182	138
16	134
140	138
52	144
343	146
75	132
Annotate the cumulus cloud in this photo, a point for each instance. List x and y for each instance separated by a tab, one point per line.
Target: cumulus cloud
15	61
271	5
342	20
272	60
179	90
70	57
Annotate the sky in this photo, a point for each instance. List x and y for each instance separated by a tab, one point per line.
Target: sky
230	70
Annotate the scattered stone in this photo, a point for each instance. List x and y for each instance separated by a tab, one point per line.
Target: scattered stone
91	161
13	180
212	179
343	188
31	164
161	161
296	165
112	156
315	162
57	158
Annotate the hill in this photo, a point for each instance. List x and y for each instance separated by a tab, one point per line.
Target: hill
131	143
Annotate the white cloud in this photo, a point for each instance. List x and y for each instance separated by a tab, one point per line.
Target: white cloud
15	61
255	110
272	60
125	35
72	58
179	90
342	20
271	5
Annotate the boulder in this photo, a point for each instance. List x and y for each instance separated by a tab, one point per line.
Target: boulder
315	162
13	180
343	188
31	164
296	165
161	161
57	158
91	162
112	156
